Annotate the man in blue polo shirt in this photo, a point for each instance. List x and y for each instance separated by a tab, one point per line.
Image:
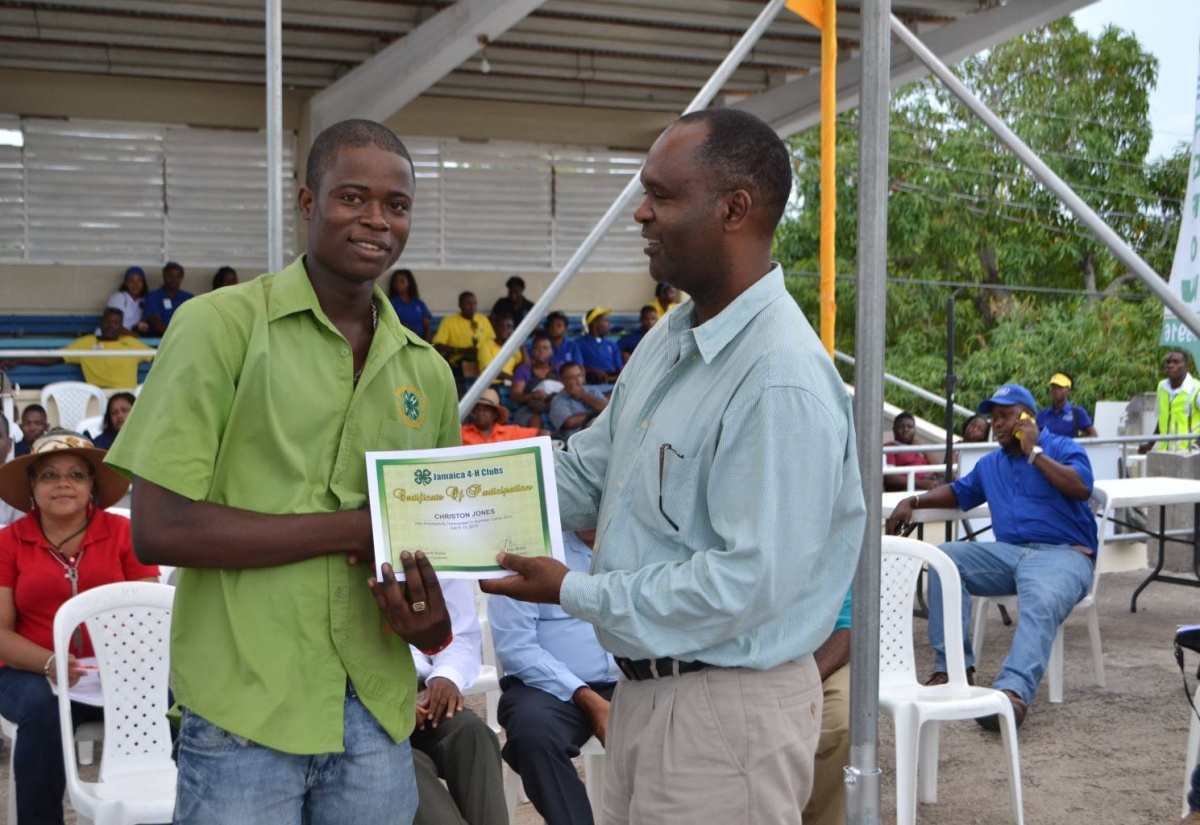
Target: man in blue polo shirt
1037	486
601	357
1062	417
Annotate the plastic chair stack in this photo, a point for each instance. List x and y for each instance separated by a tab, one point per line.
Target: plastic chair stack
71	399
916	709
129	624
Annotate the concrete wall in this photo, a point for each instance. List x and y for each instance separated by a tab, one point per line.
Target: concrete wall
45	288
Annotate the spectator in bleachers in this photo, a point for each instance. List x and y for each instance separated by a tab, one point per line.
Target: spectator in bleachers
450	741
225	276
1062	417
904	431
665	296
976	429
557	687
602	361
647	318
565	351
458	336
489	423
34	424
405	298
129	299
161	304
514	303
64	486
535	383
119	405
503	324
572	407
100	372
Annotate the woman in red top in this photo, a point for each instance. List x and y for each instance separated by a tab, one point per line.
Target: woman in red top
66	544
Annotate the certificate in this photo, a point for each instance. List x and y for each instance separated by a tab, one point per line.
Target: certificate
461	506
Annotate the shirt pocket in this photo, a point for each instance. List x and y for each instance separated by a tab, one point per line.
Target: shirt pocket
397	435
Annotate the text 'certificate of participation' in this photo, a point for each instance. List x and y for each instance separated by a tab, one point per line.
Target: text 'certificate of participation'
461	506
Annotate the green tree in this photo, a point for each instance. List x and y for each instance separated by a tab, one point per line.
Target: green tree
961	208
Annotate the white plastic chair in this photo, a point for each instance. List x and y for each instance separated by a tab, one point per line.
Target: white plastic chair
1193	754
916	709
71	399
1087	607
91	426
129	624
592	751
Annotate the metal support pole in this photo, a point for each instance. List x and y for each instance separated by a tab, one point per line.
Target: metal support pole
951	381
1086	215
862	774
274	81
542	307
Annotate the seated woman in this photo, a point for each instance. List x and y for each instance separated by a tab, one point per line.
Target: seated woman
405	297
534	383
129	299
66	544
119	405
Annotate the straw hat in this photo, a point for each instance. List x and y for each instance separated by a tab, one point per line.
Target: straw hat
491	398
109	487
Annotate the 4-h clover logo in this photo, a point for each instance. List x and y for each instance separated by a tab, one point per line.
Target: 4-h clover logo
422	476
412	405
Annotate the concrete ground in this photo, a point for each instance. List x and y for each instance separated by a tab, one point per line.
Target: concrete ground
1113	755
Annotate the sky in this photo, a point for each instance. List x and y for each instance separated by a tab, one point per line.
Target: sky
1170	30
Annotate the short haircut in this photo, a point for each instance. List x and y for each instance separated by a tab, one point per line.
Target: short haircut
743	152
660	288
540	335
501	316
648	308
1187	358
515	281
559	315
462	296
349	134
903	414
113	311
562	371
33	408
172	265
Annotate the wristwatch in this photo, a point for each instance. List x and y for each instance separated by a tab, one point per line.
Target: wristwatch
1034	453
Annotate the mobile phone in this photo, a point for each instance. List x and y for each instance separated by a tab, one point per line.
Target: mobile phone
1023	417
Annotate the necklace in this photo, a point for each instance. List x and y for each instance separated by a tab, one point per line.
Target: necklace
374	326
70	567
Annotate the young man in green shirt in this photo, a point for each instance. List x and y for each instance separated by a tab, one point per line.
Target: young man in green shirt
246	450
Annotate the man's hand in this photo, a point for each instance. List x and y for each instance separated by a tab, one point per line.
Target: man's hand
441	698
596	708
1026	432
1143	448
900	517
537	580
417	613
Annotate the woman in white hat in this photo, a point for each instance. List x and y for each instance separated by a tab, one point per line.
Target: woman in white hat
65	544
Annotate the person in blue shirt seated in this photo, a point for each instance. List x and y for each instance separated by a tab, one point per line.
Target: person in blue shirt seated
575	404
1037	487
405	298
565	350
557	687
161	304
1062	417
647	318
34	424
601	357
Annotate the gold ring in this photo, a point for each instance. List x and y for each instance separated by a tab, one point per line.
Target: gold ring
419	607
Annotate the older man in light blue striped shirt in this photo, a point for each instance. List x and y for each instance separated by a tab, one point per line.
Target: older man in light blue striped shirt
724	484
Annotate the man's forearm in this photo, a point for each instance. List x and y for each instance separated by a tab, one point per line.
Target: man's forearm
1064	478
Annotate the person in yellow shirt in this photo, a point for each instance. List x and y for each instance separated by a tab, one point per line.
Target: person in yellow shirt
665	298
458	336
502	322
101	372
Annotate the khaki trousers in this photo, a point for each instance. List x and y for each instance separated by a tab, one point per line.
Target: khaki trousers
827	805
716	745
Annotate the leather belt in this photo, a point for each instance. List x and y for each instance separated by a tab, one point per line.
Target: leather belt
641	669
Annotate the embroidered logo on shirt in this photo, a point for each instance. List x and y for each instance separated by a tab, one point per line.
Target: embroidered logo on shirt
412	405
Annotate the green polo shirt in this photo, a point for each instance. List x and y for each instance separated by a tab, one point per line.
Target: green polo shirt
251	403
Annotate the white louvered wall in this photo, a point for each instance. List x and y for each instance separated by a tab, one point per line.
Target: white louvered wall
12	196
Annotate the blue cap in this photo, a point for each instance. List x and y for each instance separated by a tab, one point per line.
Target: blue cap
1006	395
135	270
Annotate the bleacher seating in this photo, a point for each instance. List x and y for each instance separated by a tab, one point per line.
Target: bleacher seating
35	377
69	326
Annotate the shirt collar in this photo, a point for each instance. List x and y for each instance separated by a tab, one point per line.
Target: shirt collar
715	334
28	530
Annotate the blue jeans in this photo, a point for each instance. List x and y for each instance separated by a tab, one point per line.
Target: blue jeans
1049	581
37	765
1194	793
229	779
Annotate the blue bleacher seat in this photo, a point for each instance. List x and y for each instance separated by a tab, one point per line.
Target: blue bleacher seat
70	326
